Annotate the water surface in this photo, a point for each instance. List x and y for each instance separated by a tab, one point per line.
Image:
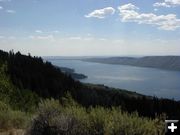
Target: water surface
148	81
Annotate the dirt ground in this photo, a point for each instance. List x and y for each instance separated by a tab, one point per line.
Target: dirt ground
13	132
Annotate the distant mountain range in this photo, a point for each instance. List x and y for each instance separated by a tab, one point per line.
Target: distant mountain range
160	62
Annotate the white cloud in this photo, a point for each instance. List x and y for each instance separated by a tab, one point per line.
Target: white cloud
2	37
128	6
38	31
5	0
1	7
47	37
10	11
167	3
129	13
155	9
118	41
81	38
101	13
173	2
55	31
31	37
159	4
47	32
12	37
88	38
102	39
75	38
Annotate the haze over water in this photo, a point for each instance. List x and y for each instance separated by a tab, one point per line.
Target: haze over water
148	81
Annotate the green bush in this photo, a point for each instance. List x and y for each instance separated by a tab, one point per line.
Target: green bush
3	106
18	99
53	119
12	119
50	120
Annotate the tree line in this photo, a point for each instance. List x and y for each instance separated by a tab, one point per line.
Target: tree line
46	80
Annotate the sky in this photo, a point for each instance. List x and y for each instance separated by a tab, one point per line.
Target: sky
90	27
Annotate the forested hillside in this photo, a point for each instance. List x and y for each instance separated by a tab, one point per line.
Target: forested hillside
45	80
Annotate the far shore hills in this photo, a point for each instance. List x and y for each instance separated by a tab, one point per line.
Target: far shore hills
159	62
171	63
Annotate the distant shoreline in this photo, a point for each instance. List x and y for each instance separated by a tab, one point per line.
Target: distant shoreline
171	63
68	71
72	73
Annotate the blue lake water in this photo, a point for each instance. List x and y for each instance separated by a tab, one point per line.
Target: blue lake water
148	81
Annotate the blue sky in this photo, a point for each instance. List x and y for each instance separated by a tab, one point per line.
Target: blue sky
90	27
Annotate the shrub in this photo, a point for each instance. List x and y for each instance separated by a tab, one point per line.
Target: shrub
3	106
51	121
54	119
12	119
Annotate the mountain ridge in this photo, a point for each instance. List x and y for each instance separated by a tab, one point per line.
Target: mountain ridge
159	62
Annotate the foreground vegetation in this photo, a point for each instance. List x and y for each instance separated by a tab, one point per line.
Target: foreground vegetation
66	117
10	119
33	98
70	118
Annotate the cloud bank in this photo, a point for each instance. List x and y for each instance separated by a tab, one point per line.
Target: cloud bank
10	11
167	3
130	13
101	13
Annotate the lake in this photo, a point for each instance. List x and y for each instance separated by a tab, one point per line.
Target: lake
148	81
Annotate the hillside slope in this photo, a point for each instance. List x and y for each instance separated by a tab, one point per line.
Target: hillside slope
27	73
160	62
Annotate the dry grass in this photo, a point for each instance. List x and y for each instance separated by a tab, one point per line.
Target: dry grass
13	132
